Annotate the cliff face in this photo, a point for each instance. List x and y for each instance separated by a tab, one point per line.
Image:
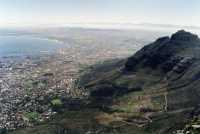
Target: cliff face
176	62
165	53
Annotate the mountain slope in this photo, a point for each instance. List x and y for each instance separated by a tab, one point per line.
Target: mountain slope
155	91
160	79
167	70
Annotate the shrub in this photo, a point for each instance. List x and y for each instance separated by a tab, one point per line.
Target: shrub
56	104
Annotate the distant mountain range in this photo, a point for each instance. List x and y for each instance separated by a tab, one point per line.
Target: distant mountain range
133	26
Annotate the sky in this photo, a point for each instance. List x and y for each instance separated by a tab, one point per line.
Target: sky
61	12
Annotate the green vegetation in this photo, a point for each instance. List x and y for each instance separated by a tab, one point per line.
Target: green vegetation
32	116
56	102
41	85
31	85
28	84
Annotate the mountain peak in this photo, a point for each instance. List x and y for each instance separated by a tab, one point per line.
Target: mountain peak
183	35
181	45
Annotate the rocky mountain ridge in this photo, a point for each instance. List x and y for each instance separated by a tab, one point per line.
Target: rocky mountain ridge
166	65
163	78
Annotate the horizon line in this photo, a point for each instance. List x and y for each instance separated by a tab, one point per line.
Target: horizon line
115	25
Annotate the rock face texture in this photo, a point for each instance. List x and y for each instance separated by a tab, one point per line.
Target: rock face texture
166	52
162	76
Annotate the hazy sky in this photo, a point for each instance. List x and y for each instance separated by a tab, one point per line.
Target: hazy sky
60	12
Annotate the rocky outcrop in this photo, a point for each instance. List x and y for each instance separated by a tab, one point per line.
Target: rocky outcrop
167	69
184	36
165	52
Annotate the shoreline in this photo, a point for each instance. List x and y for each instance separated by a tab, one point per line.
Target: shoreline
35	37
